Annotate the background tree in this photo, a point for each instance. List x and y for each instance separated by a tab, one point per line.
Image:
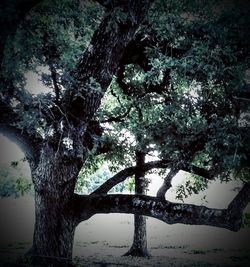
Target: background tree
183	64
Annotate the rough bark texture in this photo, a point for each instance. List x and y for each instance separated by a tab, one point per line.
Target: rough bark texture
102	59
54	232
166	211
139	246
54	178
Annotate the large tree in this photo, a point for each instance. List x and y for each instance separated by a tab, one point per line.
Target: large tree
172	78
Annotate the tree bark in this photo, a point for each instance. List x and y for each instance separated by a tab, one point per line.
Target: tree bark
54	178
139	246
166	211
53	234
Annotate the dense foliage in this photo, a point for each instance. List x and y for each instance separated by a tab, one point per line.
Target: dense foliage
132	87
186	93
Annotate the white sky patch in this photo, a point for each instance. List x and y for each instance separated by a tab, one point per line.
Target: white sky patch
68	143
244	120
152	156
14	103
193	91
126	135
34	84
51	132
9	151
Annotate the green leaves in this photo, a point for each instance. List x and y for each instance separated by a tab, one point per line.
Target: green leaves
193	185
23	186
180	98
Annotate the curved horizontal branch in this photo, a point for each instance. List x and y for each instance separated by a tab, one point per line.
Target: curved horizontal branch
130	171
21	139
117	118
114	180
198	171
127	172
166	211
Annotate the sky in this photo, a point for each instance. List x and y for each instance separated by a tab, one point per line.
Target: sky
9	151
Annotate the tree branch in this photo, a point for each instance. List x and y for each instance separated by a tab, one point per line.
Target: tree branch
94	73
198	171
239	203
26	141
185	167
116	179
167	183
125	173
117	118
55	84
166	211
21	138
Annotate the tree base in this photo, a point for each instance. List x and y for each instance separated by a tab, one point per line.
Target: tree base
137	252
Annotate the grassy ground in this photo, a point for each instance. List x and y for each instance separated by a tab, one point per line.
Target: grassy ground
178	256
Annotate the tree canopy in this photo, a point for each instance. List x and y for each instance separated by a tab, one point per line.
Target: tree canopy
166	79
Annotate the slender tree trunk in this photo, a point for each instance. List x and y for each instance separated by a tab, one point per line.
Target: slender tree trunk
139	246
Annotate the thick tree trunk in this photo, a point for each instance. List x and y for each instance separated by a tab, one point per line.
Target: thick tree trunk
139	246
54	178
54	232
54	229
